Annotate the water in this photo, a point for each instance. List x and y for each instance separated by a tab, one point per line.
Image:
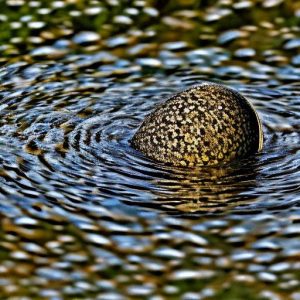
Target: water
85	216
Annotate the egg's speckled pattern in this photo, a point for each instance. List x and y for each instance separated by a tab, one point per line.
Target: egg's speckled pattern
207	124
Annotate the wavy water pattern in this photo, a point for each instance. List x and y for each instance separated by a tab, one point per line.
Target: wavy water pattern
85	216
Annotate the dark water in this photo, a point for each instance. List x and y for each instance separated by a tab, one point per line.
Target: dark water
85	216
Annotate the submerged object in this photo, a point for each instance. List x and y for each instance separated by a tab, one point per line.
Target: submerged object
207	124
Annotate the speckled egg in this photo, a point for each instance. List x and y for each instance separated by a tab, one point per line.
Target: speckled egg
207	124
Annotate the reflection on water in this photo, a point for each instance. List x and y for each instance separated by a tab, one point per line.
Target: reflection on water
85	216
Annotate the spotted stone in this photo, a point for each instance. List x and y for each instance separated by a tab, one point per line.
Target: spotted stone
207	124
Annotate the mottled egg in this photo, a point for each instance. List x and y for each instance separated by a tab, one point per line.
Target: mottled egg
207	124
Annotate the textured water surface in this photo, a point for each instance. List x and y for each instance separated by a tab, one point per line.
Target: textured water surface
85	216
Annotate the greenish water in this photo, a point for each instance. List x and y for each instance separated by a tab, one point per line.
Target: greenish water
85	216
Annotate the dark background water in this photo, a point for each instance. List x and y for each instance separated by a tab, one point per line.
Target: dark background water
85	216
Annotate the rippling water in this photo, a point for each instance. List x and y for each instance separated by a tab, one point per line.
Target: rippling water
85	216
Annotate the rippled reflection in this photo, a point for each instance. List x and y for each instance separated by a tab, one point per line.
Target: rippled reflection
85	216
83	141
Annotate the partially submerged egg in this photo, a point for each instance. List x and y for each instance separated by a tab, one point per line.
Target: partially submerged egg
207	124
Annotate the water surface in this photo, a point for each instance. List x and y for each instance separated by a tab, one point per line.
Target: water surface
85	216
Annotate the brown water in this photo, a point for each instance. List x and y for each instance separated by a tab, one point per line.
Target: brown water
85	216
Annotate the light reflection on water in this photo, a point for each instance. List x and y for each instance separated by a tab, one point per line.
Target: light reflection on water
84	215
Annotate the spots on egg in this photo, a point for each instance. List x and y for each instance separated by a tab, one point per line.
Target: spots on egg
203	125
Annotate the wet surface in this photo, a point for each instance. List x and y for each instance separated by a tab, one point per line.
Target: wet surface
85	216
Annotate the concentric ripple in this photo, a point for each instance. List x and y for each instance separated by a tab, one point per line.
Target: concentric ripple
82	140
85	216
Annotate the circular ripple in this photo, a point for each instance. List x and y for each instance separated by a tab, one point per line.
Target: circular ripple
77	145
81	215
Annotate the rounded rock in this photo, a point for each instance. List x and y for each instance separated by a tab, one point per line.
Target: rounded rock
207	124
